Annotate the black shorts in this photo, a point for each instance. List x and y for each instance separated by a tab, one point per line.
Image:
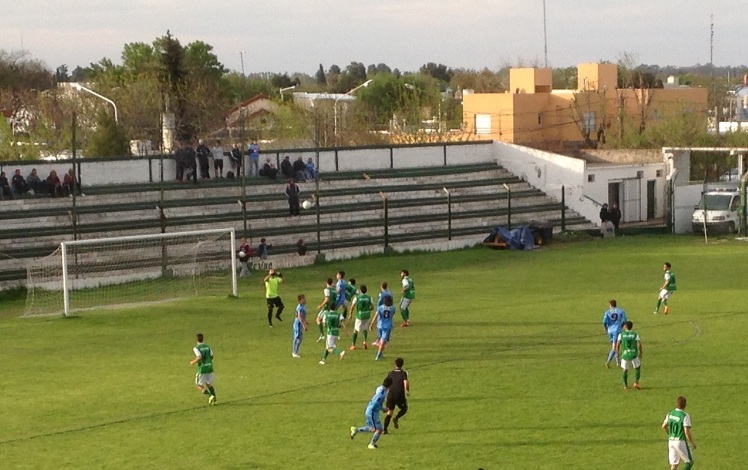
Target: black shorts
275	302
218	164
396	400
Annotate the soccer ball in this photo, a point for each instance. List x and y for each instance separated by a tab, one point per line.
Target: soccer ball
242	254
307	204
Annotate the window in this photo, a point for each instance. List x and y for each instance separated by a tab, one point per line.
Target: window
540	119
482	124
588	122
659	173
590	178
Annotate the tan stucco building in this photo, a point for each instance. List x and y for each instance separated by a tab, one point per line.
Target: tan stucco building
533	113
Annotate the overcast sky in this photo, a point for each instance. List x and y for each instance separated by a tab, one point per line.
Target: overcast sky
298	35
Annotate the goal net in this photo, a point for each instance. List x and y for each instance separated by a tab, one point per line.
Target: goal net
141	269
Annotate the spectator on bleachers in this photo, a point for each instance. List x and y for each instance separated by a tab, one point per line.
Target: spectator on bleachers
70	183
287	167
217	151
54	185
292	192
203	153
18	182
311	169
301	247
191	162
263	251
269	170
299	169
35	183
180	158
5	189
236	159
254	158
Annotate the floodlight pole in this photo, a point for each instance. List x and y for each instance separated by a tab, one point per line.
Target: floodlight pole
80	87
386	222
449	213
508	207
286	89
335	104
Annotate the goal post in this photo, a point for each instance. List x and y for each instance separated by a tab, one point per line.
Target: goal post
136	269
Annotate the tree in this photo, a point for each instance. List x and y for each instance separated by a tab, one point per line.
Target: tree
332	76
282	81
437	71
20	72
61	74
565	78
320	76
353	76
107	140
377	69
78	74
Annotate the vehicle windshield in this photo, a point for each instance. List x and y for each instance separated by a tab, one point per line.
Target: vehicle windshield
716	202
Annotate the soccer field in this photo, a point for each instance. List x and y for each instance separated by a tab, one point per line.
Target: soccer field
505	356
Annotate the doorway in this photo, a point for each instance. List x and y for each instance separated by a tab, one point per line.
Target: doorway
614	194
651	202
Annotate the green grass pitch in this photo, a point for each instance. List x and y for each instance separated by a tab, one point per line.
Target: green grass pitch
505	354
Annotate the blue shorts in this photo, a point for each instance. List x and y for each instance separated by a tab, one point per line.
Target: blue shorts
298	331
372	419
613	336
384	334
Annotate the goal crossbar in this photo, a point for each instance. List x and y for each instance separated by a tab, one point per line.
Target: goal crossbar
66	288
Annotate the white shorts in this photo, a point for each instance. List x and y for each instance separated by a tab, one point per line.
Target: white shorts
677	451
361	325
405	303
628	364
332	342
665	294
204	379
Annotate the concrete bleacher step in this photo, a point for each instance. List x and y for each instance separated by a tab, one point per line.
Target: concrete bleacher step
351	211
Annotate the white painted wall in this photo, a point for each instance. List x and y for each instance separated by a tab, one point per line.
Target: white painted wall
686	197
409	157
370	159
462	154
136	170
605	174
549	172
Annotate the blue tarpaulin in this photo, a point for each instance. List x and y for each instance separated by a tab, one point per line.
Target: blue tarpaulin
520	238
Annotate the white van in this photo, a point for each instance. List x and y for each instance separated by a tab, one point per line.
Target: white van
721	211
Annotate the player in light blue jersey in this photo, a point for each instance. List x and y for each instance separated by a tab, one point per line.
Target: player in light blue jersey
376	406
340	287
384	292
383	315
613	320
300	325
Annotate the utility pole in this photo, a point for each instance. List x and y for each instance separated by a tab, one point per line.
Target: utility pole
545	37
711	69
241	58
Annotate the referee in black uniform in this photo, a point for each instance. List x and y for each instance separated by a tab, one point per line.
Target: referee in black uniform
396	396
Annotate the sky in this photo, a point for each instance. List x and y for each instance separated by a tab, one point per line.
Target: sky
297	35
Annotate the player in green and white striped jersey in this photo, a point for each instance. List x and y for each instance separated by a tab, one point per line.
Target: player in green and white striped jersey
677	425
363	305
409	295
666	289
331	300
204	377
629	348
